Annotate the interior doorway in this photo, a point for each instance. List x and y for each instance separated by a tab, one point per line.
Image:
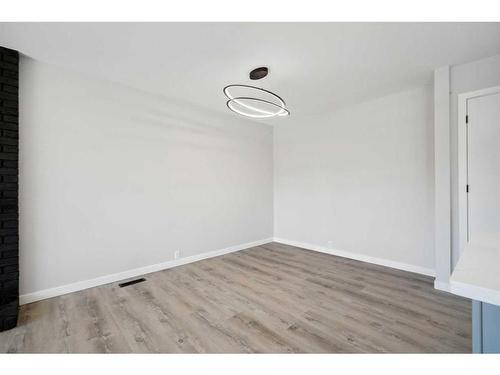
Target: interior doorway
480	170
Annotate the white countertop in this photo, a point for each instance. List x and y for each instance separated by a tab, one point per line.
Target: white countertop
477	275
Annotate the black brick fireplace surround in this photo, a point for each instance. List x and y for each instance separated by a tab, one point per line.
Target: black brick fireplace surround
9	223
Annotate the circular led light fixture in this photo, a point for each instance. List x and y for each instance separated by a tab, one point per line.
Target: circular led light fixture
251	101
246	107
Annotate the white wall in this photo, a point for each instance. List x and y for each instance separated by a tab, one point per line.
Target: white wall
361	178
113	179
464	78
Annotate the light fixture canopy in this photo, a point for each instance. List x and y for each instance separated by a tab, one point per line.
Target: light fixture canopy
258	73
255	102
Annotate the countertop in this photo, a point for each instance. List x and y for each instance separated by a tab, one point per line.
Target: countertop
477	275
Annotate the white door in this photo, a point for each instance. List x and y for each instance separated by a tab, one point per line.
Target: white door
483	177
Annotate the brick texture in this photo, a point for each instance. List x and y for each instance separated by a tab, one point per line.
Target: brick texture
9	216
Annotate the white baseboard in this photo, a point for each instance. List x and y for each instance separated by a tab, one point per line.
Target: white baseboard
85	284
360	257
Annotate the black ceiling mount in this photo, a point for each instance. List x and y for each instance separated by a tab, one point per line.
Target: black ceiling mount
259	73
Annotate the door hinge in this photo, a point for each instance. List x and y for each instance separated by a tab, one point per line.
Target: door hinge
466	119
467	188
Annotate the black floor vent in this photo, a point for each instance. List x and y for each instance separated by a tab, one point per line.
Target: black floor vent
131	282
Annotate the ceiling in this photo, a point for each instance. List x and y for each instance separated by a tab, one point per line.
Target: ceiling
315	67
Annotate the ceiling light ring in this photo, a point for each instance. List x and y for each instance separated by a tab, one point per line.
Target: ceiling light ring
282	112
229	96
239	99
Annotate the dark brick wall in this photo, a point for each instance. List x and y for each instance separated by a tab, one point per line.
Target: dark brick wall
9	231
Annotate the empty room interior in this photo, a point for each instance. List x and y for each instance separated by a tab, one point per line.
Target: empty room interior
249	187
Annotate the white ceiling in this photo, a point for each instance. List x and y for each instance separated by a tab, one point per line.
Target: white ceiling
315	67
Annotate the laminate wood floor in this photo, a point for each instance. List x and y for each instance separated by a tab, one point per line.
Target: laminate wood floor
272	298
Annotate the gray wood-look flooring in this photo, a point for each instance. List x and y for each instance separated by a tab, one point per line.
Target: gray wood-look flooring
271	298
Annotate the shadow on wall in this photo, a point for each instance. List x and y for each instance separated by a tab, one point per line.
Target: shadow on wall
153	110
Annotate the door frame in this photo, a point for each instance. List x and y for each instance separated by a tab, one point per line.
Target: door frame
463	160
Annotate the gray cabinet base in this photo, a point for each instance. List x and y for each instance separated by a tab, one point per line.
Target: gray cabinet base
485	328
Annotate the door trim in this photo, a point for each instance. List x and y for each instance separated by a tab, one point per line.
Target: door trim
463	160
